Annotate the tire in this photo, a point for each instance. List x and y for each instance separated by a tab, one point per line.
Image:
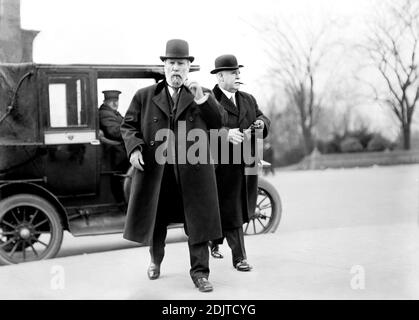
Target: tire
26	222
268	210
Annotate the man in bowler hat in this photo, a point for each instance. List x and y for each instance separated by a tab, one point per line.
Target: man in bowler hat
237	192
175	191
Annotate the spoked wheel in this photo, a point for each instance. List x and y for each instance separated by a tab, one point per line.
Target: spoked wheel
268	210
30	229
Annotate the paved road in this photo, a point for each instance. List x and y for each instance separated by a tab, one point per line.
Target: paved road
345	234
348	197
315	199
369	262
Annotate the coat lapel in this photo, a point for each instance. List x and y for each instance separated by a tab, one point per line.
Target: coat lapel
242	106
161	100
224	101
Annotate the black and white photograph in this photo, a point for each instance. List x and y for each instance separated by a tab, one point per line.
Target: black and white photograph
227	152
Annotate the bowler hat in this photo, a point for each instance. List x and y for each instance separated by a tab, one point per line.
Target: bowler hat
177	49
111	94
226	62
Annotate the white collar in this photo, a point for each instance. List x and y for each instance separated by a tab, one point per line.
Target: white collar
172	90
228	94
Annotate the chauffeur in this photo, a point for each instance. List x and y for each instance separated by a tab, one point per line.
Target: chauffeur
165	193
109	118
237	192
110	122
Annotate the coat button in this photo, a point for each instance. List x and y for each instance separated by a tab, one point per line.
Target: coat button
151	143
191	118
155	119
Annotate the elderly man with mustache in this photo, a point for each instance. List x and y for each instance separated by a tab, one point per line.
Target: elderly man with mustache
237	191
163	193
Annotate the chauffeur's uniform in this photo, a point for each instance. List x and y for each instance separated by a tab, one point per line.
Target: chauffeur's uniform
110	122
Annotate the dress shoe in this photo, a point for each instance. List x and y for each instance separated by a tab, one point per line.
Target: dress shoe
243	265
215	252
203	284
153	271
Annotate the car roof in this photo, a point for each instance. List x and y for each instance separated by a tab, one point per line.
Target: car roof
103	70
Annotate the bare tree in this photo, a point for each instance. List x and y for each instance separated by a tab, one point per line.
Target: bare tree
336	119
296	56
392	46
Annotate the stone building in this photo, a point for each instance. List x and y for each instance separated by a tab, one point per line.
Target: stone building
15	43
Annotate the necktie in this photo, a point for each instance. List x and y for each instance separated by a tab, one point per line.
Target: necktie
232	100
175	96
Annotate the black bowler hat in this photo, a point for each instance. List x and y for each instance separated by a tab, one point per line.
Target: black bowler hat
177	49
226	62
111	94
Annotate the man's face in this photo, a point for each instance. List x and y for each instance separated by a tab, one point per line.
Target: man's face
229	80
176	71
113	104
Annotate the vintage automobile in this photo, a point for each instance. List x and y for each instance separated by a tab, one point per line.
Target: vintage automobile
56	172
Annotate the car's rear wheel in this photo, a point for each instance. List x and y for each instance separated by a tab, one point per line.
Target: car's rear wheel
268	210
30	229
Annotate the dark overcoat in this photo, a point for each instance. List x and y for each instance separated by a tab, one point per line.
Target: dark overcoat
149	112
237	192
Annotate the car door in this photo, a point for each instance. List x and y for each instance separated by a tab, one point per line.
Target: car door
71	166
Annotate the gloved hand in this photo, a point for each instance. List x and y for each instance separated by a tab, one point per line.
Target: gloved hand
235	136
136	159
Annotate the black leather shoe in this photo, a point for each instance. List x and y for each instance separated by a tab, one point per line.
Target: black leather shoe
243	265
153	271
215	252
203	284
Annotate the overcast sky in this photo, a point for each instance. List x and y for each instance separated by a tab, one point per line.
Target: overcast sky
135	31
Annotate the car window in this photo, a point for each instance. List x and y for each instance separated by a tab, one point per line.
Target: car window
67	102
128	87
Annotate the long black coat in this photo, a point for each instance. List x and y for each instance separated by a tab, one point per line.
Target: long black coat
237	192
147	113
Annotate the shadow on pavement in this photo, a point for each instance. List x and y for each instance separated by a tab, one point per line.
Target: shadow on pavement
73	246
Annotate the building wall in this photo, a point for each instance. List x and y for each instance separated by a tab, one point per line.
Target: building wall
15	43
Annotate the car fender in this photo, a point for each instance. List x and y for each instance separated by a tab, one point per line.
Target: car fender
11	188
